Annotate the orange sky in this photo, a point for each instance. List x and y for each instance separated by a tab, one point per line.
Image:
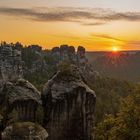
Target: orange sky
52	25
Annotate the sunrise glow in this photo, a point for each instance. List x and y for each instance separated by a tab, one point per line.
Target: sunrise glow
115	49
96	25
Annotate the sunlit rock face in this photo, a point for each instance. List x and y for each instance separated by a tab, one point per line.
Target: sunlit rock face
69	106
10	63
24	131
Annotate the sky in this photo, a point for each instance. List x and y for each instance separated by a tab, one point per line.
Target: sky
98	25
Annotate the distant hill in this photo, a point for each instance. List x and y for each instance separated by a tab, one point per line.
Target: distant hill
123	65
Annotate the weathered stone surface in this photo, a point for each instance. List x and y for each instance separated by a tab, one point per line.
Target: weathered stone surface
20	101
81	58
10	62
16	61
56	52
33	56
64	53
68	54
69	106
21	90
24	131
22	98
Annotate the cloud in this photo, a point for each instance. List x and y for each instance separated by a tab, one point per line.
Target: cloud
133	43
104	36
92	16
94	23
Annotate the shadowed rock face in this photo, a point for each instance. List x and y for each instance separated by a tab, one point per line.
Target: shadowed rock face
21	101
24	131
81	58
10	63
64	53
22	97
69	106
68	54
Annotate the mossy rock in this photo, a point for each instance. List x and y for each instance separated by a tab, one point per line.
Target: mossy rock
24	130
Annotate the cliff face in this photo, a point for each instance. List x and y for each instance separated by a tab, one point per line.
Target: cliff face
68	54
69	106
20	98
10	62
17	61
21	101
33	57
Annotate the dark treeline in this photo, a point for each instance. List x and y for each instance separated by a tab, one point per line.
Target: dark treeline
120	65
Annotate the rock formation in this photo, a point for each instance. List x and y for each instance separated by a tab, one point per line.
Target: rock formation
64	53
17	61
81	58
22	97
24	131
69	106
68	102
10	62
55	53
33	57
21	101
68	54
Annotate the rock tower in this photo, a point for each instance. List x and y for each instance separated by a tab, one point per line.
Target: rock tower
69	106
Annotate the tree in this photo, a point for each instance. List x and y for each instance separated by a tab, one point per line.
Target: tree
124	126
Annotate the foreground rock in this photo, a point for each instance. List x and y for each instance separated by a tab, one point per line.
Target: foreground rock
24	131
20	98
21	101
69	106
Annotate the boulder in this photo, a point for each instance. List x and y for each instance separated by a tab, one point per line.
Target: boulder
69	106
22	98
24	131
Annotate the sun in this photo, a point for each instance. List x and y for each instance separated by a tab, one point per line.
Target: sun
115	49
